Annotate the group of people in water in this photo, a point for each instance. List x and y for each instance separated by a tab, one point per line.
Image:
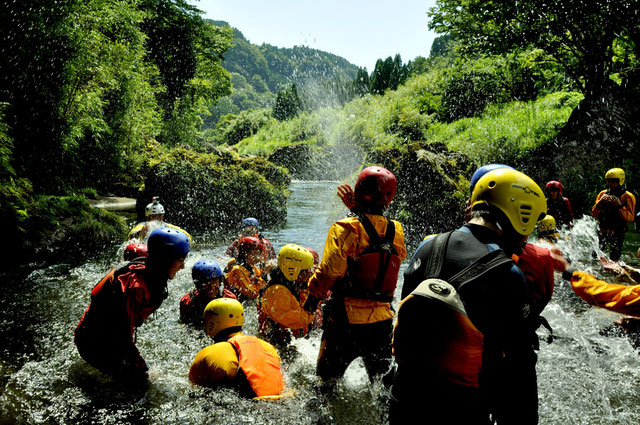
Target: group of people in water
463	339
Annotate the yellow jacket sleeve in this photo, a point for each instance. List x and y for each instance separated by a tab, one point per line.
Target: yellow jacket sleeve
596	211
628	210
280	305
214	365
612	296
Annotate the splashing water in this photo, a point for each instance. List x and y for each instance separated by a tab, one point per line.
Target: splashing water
584	376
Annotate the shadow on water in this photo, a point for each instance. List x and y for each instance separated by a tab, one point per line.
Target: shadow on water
583	376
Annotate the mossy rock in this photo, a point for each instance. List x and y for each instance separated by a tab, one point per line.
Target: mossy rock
432	187
601	133
306	161
65	229
206	192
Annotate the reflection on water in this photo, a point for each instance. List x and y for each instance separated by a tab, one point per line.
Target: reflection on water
583	376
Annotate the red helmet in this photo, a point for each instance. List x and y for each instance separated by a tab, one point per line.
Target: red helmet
316	256
135	250
554	184
248	244
376	184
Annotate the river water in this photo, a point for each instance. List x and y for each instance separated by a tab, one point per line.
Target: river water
584	376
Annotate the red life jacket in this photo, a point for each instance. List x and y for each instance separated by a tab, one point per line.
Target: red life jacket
373	274
261	367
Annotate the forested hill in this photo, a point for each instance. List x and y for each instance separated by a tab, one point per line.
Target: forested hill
278	66
258	72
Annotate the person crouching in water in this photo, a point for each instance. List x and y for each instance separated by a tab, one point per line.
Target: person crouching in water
360	264
245	275
209	282
546	229
243	362
280	312
123	300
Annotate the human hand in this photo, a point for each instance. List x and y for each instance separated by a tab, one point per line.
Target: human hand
559	262
608	201
345	193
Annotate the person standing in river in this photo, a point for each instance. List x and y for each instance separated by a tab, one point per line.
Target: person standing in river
614	208
359	267
462	336
558	206
122	301
154	213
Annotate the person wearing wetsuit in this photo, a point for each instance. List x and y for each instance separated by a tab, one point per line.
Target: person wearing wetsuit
123	300
470	358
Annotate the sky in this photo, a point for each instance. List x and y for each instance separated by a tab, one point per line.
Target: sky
360	31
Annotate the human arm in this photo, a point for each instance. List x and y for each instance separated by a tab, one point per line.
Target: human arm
346	194
280	305
628	207
595	210
214	365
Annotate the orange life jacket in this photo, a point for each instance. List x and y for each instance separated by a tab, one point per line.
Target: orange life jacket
374	273
260	366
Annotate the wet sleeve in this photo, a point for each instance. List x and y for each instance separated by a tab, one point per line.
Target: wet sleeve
339	245
628	209
595	211
515	383
622	299
214	365
279	304
136	231
398	241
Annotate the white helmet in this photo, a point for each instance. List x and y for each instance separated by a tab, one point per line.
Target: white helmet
154	208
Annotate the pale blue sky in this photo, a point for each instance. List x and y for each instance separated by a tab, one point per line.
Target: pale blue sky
359	31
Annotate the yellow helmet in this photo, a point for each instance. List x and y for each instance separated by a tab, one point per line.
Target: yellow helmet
547	224
221	314
615	173
513	193
292	259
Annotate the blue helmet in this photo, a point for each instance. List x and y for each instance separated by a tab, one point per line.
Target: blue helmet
204	271
482	171
168	243
250	221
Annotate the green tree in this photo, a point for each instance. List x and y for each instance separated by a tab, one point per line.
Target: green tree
188	53
579	35
288	104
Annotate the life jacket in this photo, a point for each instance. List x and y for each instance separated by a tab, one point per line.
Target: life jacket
260	365
276	287
242	281
459	357
609	218
108	296
373	274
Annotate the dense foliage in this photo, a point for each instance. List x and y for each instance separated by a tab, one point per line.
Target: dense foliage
593	40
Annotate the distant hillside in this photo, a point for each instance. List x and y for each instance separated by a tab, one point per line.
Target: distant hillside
258	72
